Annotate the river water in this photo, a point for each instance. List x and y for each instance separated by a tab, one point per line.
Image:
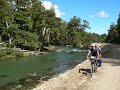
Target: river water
53	63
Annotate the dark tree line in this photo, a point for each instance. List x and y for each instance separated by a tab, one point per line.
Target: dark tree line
28	25
114	32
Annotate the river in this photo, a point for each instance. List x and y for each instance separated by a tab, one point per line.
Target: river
51	64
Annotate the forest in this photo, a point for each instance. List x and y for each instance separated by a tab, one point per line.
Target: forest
114	32
26	24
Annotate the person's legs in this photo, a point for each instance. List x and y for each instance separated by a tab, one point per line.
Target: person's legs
100	62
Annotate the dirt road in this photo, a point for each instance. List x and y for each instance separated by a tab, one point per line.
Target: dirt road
106	78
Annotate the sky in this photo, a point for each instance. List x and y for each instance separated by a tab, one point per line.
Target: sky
99	13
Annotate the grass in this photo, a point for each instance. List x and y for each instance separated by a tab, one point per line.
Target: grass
9	52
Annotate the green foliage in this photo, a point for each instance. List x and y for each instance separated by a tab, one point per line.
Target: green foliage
26	24
114	32
18	53
10	52
2	53
26	40
103	37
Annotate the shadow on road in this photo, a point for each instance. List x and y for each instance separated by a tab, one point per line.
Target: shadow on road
84	71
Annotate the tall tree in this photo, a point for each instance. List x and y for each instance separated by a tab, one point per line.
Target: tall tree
114	32
22	14
6	17
75	25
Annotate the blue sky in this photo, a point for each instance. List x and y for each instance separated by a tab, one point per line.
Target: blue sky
99	13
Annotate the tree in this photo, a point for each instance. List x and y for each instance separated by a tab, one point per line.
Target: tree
74	23
75	28
118	29
22	15
85	25
114	32
6	17
28	25
43	22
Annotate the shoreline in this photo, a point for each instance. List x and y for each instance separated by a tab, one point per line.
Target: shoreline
24	53
30	53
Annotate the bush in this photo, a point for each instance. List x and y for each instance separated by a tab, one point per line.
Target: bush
18	54
5	52
2	53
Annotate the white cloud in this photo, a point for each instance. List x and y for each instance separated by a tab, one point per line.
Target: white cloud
48	5
101	14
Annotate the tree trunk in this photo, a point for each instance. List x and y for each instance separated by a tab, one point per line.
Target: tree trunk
7	24
10	39
43	32
48	35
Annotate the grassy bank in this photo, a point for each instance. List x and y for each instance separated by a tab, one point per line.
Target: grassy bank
18	52
9	52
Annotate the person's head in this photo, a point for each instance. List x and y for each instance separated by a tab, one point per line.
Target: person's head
93	46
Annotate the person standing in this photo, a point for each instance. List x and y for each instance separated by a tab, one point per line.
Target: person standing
100	58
